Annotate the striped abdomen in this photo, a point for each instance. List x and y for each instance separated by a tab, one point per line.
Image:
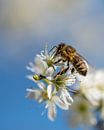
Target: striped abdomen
80	64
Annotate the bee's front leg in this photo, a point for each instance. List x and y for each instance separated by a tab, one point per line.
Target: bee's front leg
63	71
58	61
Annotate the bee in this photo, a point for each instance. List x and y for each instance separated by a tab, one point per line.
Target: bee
70	55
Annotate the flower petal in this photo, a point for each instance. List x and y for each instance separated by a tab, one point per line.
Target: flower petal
49	71
60	103
52	111
34	94
30	67
68	95
40	66
65	96
41	85
49	91
30	77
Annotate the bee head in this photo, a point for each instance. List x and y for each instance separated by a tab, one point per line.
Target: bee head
59	48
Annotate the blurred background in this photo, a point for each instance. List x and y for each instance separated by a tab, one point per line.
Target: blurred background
25	27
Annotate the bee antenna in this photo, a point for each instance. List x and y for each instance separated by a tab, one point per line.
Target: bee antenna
53	48
53	53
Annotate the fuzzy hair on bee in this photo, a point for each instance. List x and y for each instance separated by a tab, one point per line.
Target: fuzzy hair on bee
70	55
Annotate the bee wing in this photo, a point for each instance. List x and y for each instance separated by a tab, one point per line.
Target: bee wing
81	57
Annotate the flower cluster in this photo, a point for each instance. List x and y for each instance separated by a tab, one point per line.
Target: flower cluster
88	106
54	88
81	113
93	89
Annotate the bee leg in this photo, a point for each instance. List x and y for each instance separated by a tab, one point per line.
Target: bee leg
59	73
58	61
72	70
65	70
62	70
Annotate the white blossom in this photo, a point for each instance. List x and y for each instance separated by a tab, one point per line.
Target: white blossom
51	101
93	86
47	57
54	86
62	82
80	113
40	67
93	89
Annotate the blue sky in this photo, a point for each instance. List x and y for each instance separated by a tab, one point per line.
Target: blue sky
23	34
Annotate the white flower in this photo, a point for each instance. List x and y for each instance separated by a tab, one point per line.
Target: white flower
62	83
59	83
51	99
47	57
93	87
43	65
80	113
40	67
54	86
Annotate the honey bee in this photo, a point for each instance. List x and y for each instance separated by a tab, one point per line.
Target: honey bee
70	55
